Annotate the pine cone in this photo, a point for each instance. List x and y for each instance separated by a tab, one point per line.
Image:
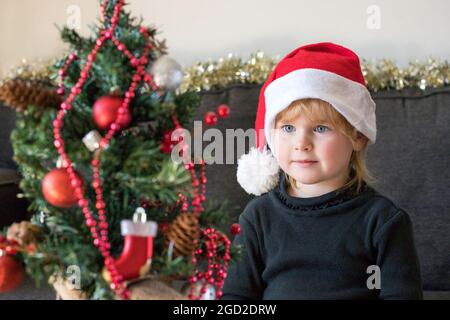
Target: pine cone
20	93
24	233
183	231
153	288
64	291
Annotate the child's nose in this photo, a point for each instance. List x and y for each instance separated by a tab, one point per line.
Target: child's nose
303	143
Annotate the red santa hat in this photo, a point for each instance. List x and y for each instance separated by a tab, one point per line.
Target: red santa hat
325	71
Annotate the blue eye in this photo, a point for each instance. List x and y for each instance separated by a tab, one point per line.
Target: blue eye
322	127
288	128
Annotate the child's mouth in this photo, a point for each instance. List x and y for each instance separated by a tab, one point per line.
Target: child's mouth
304	163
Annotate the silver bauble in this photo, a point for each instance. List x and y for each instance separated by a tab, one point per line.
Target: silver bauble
210	293
167	73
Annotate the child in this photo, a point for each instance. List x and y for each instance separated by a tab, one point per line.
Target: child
320	232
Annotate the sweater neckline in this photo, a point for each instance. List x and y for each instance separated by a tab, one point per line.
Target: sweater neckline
315	205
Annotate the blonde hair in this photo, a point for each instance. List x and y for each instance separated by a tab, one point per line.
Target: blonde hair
316	109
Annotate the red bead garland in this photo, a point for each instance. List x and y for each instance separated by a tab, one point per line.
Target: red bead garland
199	184
99	230
10	247
211	236
219	264
210	118
62	72
235	229
223	111
167	142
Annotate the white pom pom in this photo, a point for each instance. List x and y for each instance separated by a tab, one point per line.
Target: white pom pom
257	171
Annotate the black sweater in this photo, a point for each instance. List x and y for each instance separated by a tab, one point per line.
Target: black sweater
321	248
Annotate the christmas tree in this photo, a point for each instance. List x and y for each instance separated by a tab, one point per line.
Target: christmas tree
105	194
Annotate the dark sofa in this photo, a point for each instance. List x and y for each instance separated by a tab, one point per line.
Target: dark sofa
12	209
411	160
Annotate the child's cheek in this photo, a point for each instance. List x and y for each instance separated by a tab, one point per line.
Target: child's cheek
277	143
332	152
281	151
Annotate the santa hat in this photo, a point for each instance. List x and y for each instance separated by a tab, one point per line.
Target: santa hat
325	71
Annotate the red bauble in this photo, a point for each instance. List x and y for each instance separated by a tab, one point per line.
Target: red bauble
167	143
210	118
223	111
58	190
235	229
11	273
106	110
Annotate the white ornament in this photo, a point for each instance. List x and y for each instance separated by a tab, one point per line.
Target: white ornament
42	217
257	171
92	140
167	73
210	293
60	163
210	290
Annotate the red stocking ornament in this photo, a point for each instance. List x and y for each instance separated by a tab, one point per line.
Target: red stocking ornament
136	257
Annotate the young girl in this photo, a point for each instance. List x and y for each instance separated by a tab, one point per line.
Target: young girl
317	229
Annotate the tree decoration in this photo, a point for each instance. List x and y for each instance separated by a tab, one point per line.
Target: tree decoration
101	239
216	264
20	93
106	110
59	188
184	232
153	288
92	140
210	118
200	290
168	143
62	73
23	233
11	270
167	73
223	111
11	273
235	229
382	75
136	257
112	170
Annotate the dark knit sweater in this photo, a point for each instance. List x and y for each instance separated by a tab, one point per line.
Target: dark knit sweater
321	248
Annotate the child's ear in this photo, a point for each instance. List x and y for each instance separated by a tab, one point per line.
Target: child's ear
360	141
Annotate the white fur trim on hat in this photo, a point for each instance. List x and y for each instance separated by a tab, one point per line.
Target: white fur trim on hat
257	171
349	98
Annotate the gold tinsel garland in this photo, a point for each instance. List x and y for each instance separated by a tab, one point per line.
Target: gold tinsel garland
212	74
226	71
38	70
384	75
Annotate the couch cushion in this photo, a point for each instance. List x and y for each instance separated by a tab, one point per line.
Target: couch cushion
411	159
8	176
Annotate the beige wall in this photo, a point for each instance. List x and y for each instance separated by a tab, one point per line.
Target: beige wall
202	29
